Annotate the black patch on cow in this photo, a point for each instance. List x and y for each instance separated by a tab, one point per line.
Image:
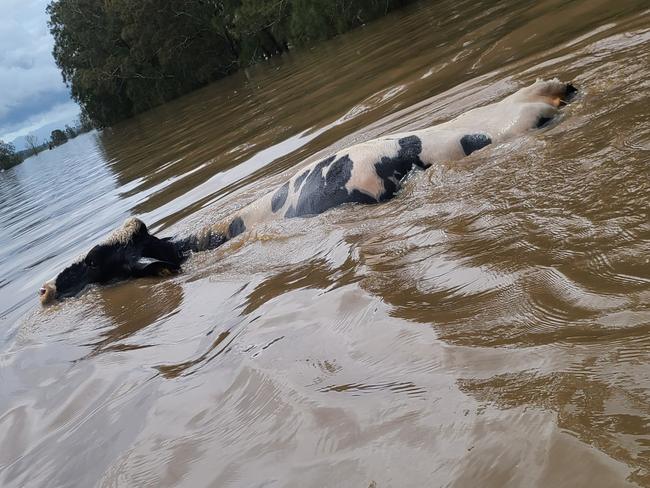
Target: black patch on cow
320	193
162	249
410	147
569	94
215	240
187	245
102	264
299	180
474	142
107	262
393	170
543	122
192	243
279	197
72	279
236	227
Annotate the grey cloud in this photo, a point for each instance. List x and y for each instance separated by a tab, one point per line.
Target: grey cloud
20	114
30	82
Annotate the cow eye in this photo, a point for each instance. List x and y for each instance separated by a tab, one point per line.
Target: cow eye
91	263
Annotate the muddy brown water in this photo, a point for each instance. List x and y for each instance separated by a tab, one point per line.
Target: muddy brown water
488	327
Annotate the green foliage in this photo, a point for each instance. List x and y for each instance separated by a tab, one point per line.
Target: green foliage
84	123
121	57
58	137
70	132
8	156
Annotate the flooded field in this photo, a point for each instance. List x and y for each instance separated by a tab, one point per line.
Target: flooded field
490	326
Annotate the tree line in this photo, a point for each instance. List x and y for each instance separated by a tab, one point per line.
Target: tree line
122	57
10	157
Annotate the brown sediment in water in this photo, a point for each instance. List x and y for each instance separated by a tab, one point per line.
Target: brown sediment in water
487	327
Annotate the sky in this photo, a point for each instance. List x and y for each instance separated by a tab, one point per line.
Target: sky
32	92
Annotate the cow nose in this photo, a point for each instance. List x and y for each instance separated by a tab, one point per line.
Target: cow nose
42	291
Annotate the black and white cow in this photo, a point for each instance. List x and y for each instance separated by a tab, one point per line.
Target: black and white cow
369	172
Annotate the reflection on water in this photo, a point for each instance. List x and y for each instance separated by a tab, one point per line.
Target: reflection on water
610	418
130	311
488	327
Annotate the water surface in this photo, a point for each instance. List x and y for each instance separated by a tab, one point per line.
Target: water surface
488	327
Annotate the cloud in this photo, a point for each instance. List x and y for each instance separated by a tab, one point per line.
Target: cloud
63	113
30	82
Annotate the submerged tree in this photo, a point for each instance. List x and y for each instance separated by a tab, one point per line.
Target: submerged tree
32	143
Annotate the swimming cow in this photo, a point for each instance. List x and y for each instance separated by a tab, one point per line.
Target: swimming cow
369	172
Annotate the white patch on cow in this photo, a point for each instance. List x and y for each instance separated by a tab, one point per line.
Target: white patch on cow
550	92
258	211
512	116
364	156
124	234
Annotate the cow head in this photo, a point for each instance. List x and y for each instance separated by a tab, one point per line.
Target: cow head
130	252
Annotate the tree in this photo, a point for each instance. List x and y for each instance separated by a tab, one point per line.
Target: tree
8	156
122	57
32	142
70	132
84	123
58	137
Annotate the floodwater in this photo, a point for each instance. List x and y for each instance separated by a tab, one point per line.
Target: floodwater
489	327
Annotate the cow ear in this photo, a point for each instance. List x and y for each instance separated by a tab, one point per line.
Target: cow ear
161	249
153	267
